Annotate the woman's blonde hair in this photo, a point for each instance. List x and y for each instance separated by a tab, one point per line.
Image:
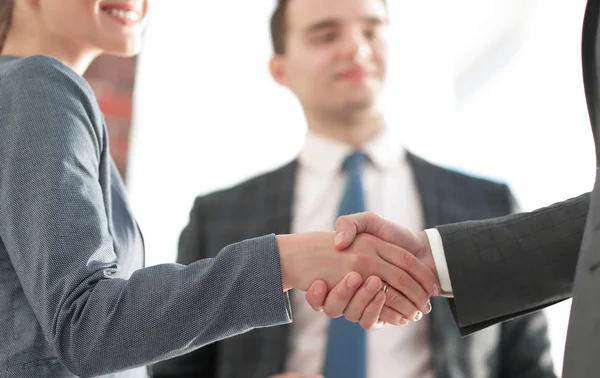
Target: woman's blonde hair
6	10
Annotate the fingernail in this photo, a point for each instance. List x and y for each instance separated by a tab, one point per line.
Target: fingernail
436	290
428	307
353	281
339	237
317	290
418	316
372	285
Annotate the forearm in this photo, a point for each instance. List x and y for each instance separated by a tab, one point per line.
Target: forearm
167	310
512	265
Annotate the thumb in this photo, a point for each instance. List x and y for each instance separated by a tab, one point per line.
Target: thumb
316	295
345	230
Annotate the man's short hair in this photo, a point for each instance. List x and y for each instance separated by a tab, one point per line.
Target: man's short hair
278	26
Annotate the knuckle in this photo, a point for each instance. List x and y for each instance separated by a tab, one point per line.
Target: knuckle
409	259
402	280
392	300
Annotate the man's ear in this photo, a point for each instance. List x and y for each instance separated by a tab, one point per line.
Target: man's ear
277	69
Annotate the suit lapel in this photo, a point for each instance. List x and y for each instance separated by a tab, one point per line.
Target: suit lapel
448	355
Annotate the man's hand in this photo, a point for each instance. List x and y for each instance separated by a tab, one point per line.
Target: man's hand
347	228
417	243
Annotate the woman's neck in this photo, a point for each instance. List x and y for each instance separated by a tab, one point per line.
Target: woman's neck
27	44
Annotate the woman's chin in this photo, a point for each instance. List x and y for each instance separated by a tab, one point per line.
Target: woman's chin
125	51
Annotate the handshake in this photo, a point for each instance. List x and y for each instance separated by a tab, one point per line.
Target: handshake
370	270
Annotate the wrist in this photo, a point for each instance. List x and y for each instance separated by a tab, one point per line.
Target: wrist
426	255
286	245
304	258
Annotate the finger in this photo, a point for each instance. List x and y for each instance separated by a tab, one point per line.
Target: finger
345	232
403	283
370	316
339	297
376	225
406	261
392	317
316	295
402	305
363	297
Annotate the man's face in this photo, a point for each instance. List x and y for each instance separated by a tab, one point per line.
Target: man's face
336	53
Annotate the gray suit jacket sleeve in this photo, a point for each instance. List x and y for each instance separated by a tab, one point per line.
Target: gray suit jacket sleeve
97	317
509	266
201	362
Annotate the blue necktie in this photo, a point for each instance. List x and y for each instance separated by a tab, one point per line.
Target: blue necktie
346	341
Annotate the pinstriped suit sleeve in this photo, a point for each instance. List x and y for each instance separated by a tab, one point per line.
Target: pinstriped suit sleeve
53	223
509	266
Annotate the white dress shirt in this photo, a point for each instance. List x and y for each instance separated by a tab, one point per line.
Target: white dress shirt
439	258
390	190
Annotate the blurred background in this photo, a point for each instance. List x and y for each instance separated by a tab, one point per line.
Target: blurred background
489	87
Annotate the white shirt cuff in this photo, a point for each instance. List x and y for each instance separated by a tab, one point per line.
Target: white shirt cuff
439	258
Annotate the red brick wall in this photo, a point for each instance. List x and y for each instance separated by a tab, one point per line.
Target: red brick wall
112	80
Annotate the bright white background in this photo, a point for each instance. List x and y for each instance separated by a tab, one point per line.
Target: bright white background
491	87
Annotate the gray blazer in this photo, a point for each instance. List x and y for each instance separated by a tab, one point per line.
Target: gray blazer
505	267
73	299
515	349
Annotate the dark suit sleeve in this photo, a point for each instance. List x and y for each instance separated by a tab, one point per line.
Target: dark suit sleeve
509	266
525	348
202	362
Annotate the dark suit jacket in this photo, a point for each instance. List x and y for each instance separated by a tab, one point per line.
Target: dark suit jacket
514	265
263	204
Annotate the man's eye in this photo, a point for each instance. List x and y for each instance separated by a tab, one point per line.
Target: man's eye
370	33
325	37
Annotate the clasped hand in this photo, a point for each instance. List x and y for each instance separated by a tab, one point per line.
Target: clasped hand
343	273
